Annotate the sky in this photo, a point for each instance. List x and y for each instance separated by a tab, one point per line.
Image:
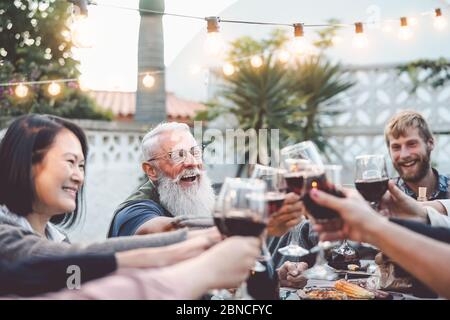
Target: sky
111	63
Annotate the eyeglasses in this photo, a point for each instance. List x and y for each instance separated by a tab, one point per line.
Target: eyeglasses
179	156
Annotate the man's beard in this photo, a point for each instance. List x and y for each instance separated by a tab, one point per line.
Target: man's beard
196	200
423	162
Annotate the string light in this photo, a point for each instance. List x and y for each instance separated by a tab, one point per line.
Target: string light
336	40
298	30
299	44
256	62
228	69
440	23
148	81
405	32
360	40
81	37
214	42
54	89
21	90
283	56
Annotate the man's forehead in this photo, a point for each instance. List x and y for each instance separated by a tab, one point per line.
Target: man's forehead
408	134
176	139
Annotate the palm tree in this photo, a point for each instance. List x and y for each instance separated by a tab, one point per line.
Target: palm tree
291	98
151	102
319	82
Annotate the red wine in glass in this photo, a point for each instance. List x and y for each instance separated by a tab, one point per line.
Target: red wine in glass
320	182
294	182
218	221
372	190
238	224
274	201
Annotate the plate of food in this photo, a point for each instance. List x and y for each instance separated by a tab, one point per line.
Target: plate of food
342	290
323	293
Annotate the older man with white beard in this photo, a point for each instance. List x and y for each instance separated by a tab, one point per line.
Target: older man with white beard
179	187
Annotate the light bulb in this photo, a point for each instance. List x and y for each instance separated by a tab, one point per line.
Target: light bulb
440	23
54	89
214	43
336	40
360	41
81	32
21	91
283	56
148	81
405	33
300	46
228	69
256	61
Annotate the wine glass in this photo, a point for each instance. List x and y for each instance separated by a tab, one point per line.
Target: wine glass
294	182
303	150
325	178
244	212
274	196
371	178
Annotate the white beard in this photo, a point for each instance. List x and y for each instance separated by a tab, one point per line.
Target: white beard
197	200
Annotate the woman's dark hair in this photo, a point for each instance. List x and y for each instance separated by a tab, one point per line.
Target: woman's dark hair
25	143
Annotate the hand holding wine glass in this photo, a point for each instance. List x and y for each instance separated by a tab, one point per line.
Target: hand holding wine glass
324	178
371	178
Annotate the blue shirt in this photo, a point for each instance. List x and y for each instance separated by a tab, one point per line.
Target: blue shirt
130	218
441	188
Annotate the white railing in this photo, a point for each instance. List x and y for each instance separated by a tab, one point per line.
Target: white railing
113	172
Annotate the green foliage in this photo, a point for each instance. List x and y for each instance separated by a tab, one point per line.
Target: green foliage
289	97
437	72
35	45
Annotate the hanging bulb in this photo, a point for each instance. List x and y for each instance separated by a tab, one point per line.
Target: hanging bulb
283	56
299	44
214	42
21	91
228	69
360	40
405	32
337	40
54	89
440	23
148	81
81	32
256	61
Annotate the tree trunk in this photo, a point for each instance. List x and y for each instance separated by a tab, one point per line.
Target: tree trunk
151	102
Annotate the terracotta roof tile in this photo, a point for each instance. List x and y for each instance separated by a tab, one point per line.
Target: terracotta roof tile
124	104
